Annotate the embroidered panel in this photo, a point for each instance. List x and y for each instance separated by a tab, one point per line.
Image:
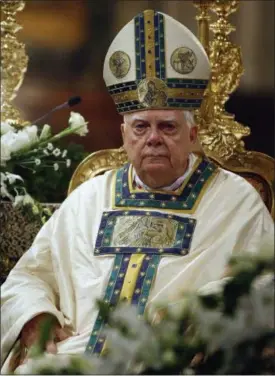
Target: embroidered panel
147	232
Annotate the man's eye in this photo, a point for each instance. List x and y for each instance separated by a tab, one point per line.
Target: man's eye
168	127
140	127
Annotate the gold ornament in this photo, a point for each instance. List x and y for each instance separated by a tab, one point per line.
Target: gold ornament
220	134
152	92
203	19
13	59
183	60
119	64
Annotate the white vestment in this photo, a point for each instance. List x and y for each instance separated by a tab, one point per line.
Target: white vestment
61	275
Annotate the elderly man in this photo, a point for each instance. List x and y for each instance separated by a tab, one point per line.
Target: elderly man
165	223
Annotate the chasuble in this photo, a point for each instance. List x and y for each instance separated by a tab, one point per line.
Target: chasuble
112	241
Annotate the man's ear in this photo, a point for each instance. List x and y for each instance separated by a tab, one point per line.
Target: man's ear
194	134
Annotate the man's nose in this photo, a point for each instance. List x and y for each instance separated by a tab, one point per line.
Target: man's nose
154	138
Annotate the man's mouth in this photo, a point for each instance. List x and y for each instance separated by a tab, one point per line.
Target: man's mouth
155	156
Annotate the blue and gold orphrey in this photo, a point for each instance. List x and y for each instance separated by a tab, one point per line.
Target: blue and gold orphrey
138	237
152	88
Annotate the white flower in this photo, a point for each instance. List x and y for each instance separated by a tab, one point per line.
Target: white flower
56	152
18	200
57	364
142	342
3	177
68	163
23	200
46	132
16	141
5	153
6	126
4	191
12	177
262	300
254	315
45	151
128	314
31	130
78	124
37	161
64	154
56	166
50	146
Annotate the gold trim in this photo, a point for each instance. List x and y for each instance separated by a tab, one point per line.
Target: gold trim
126	96
185	93
132	95
169	107
131	276
178	211
149	29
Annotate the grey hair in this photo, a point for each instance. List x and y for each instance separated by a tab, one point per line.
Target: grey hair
189	118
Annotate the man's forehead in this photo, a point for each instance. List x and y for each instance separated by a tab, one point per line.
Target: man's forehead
154	115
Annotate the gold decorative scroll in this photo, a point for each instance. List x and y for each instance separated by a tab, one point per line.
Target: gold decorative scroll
220	135
203	19
13	59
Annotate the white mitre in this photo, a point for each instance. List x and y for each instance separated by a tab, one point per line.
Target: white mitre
156	62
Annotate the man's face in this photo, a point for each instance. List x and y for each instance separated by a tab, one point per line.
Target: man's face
157	143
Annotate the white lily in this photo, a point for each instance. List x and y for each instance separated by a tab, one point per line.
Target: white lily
5	153
14	142
78	124
13	177
7	127
45	133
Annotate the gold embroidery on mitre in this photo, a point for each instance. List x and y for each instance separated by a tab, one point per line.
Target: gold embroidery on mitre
183	60
119	64
186	93
125	96
149	27
152	92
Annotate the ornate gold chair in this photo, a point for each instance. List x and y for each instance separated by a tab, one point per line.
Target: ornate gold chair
220	135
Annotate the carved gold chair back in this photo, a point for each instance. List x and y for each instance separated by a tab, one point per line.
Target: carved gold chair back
219	134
